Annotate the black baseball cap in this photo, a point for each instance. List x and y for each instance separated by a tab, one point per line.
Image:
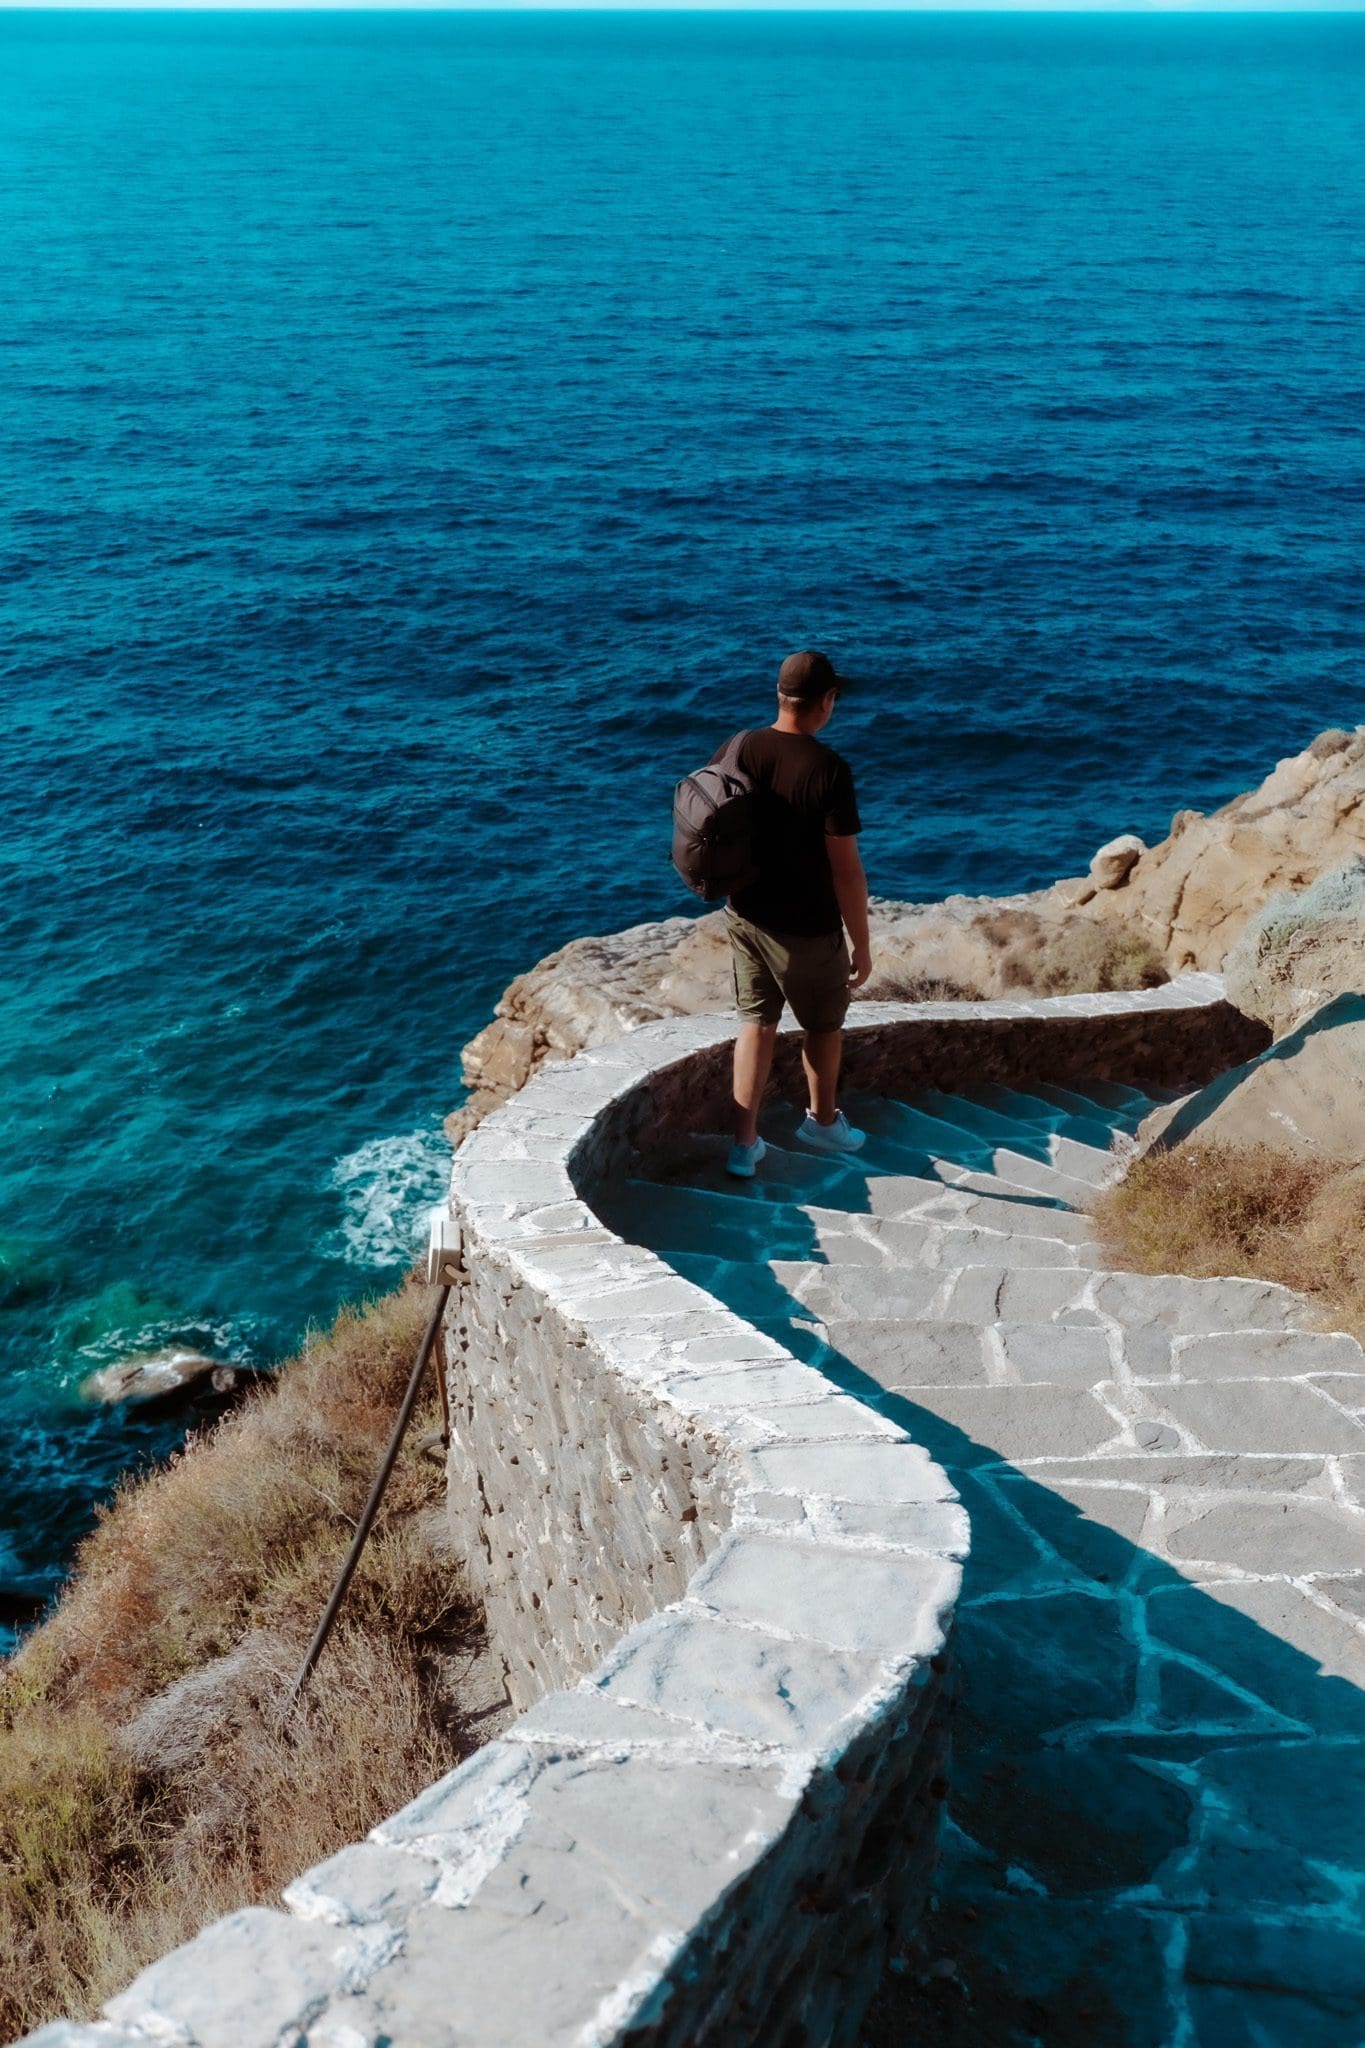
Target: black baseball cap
808	676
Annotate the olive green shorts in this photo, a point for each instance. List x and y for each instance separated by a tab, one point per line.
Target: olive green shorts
810	974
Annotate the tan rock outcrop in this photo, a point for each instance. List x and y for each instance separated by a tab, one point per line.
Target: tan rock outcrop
1300	949
1194	892
1305	1096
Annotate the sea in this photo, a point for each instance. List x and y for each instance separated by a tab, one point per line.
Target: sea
421	437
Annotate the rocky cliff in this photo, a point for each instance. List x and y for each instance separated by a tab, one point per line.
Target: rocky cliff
1192	894
1140	914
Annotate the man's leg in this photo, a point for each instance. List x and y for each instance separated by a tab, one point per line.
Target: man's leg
820	1054
753	1064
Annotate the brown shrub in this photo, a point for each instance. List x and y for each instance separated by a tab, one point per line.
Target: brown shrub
1077	957
1213	1209
915	988
128	1817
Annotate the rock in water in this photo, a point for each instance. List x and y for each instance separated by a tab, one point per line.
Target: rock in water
18	1609
168	1380
1306	1095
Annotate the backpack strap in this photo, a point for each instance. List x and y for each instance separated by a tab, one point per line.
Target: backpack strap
729	755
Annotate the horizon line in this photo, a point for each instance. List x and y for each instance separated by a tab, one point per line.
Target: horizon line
1185	9
1144	9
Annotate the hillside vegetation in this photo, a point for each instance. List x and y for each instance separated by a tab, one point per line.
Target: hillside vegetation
146	1782
1215	1208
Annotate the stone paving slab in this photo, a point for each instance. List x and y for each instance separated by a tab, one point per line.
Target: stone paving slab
916	1243
1261	1415
1263	1354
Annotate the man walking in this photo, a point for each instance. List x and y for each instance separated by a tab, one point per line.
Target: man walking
787	926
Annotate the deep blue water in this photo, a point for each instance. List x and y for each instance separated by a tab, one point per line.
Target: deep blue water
420	439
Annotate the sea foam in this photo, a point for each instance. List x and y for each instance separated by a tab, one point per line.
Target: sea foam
388	1188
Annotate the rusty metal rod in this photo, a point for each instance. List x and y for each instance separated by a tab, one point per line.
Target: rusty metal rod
382	1477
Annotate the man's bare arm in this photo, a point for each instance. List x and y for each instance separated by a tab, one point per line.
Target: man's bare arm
850	888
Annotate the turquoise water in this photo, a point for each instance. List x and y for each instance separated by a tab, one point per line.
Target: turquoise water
421	436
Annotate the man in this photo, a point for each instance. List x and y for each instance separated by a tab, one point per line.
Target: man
787	927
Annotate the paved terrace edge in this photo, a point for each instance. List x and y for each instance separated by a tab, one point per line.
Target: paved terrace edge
717	1815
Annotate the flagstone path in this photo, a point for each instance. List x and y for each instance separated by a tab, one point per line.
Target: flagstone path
1157	1822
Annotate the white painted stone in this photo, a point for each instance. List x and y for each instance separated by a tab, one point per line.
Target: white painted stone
362	1884
893	1471
593	1720
938	1528
247	1980
875	1606
759	1385
714	1676
472	1813
835	1422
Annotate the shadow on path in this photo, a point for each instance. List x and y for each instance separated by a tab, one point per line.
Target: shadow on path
1157	1824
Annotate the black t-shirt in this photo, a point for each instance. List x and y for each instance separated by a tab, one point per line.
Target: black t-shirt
804	792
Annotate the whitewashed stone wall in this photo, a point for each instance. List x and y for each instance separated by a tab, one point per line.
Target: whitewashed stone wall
723	1591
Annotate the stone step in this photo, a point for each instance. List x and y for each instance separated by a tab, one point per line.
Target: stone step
898	1124
1028	1107
678	1222
1186	1307
785	1176
938	1353
896	1196
784	1173
1033	1114
767	1293
1091	1109
990	1293
788	1167
887	1160
1121	1095
723	1226
915	1130
1250	1355
982	1294
1017	1170
990	1124
963	1180
916	1242
688	1221
1084	1150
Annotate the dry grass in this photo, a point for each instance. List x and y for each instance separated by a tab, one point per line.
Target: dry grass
1040	956
1214	1209
145	1782
894	987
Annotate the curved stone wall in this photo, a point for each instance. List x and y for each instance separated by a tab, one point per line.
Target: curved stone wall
723	1591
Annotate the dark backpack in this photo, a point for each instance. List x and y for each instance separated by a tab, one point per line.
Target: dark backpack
713	822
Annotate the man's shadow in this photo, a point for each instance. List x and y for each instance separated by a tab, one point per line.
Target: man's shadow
1157	1818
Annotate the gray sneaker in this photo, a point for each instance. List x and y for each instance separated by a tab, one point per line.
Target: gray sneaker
744	1158
839	1136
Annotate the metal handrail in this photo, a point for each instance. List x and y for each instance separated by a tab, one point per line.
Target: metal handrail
443	1260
